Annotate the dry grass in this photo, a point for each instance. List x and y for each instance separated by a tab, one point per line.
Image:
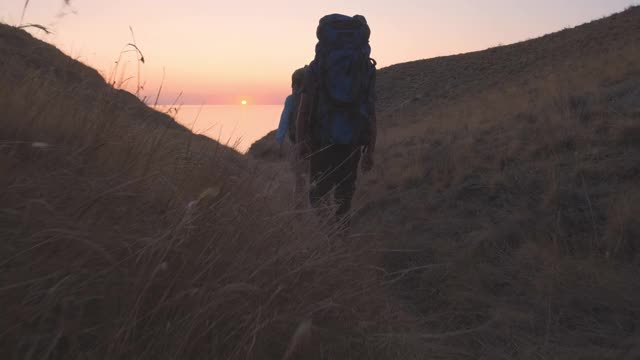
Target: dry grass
525	199
503	218
123	235
531	221
507	181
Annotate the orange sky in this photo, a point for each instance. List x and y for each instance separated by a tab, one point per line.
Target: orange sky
220	52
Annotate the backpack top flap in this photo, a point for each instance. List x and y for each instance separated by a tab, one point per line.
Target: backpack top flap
326	31
342	54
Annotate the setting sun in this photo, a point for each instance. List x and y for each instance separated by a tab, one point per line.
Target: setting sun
244	102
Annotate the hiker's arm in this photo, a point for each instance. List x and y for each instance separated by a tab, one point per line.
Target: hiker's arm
373	117
284	121
368	161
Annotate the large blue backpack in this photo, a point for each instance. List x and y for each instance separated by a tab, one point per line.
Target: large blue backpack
345	78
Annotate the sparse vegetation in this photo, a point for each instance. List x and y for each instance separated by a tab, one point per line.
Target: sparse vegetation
524	173
500	222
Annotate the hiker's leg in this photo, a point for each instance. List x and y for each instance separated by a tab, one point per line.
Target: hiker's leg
320	176
346	177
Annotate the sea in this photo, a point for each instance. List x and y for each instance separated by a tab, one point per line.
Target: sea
234	125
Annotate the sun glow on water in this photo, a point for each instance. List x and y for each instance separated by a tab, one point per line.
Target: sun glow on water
244	102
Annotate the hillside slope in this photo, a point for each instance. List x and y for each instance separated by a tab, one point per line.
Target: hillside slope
28	58
507	183
511	179
421	85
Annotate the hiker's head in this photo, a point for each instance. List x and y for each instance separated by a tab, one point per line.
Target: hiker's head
297	78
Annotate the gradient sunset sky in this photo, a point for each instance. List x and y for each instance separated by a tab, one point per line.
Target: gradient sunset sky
221	52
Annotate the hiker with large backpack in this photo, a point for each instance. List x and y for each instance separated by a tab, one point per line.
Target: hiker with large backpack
287	126
336	122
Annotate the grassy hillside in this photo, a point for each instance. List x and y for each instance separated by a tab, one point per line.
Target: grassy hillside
514	176
508	181
500	221
124	236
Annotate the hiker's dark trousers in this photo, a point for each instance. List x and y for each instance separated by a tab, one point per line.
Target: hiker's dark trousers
334	168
